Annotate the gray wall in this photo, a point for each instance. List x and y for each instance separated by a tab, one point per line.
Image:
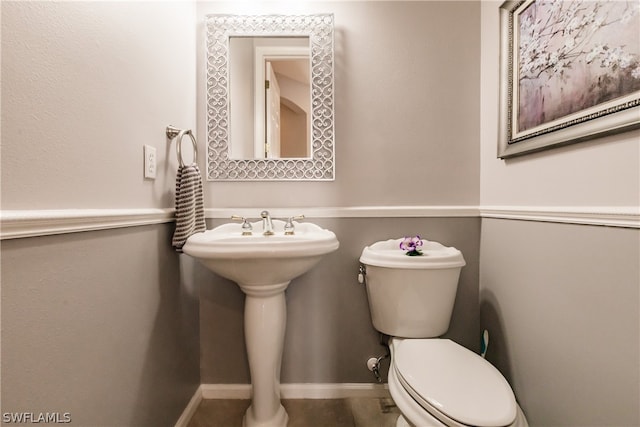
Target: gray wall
560	300
84	86
100	324
406	107
329	332
562	305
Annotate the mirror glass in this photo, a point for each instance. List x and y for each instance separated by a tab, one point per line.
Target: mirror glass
270	97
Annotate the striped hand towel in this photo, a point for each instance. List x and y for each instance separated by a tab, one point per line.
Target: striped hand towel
189	205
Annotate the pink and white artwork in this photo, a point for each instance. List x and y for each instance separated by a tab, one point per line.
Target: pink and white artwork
572	56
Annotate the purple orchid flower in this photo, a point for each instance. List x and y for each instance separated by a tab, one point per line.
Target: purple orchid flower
412	245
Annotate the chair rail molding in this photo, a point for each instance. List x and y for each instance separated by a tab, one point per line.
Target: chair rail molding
15	224
610	216
398	211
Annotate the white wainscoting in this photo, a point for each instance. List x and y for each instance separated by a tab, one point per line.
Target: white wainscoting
16	224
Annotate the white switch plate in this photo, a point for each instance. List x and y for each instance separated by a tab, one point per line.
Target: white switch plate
149	162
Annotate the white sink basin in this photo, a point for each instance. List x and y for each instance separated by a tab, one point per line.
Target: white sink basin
259	260
263	266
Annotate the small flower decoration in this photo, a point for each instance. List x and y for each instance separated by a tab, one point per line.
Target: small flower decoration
412	245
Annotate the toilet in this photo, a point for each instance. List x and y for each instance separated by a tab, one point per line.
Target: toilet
433	381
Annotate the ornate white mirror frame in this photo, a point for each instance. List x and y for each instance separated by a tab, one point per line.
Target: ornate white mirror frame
321	165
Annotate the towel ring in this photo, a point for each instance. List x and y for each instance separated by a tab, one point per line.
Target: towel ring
174	132
179	147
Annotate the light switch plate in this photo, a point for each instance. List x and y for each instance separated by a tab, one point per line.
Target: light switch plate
149	162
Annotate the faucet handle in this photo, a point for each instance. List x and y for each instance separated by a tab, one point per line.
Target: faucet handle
246	226
289	228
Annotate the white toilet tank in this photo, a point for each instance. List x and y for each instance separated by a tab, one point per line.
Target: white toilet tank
411	296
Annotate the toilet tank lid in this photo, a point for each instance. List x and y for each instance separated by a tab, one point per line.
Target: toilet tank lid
387	253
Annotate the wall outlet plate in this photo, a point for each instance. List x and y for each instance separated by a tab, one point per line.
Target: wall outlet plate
149	162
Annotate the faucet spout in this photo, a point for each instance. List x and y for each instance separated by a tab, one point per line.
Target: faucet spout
267	225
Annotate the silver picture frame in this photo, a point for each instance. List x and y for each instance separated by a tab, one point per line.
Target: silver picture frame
526	123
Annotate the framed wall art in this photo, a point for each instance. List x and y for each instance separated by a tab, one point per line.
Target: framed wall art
569	71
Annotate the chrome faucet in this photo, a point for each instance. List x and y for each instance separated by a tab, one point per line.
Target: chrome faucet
267	225
289	228
247	229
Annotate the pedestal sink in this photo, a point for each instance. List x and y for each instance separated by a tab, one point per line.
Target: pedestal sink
263	266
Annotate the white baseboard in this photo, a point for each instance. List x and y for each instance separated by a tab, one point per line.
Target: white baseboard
287	391
299	391
191	408
226	391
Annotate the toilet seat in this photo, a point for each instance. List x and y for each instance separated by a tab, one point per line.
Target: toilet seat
453	384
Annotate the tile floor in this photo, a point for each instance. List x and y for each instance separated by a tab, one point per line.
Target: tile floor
351	412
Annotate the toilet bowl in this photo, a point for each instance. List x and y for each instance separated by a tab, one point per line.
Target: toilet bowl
436	382
433	381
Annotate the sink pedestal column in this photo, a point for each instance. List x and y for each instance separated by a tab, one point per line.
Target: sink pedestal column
265	315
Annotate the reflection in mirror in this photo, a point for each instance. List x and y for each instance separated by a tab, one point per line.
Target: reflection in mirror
260	134
269	81
293	108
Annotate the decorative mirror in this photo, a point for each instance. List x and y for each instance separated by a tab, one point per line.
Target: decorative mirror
270	97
